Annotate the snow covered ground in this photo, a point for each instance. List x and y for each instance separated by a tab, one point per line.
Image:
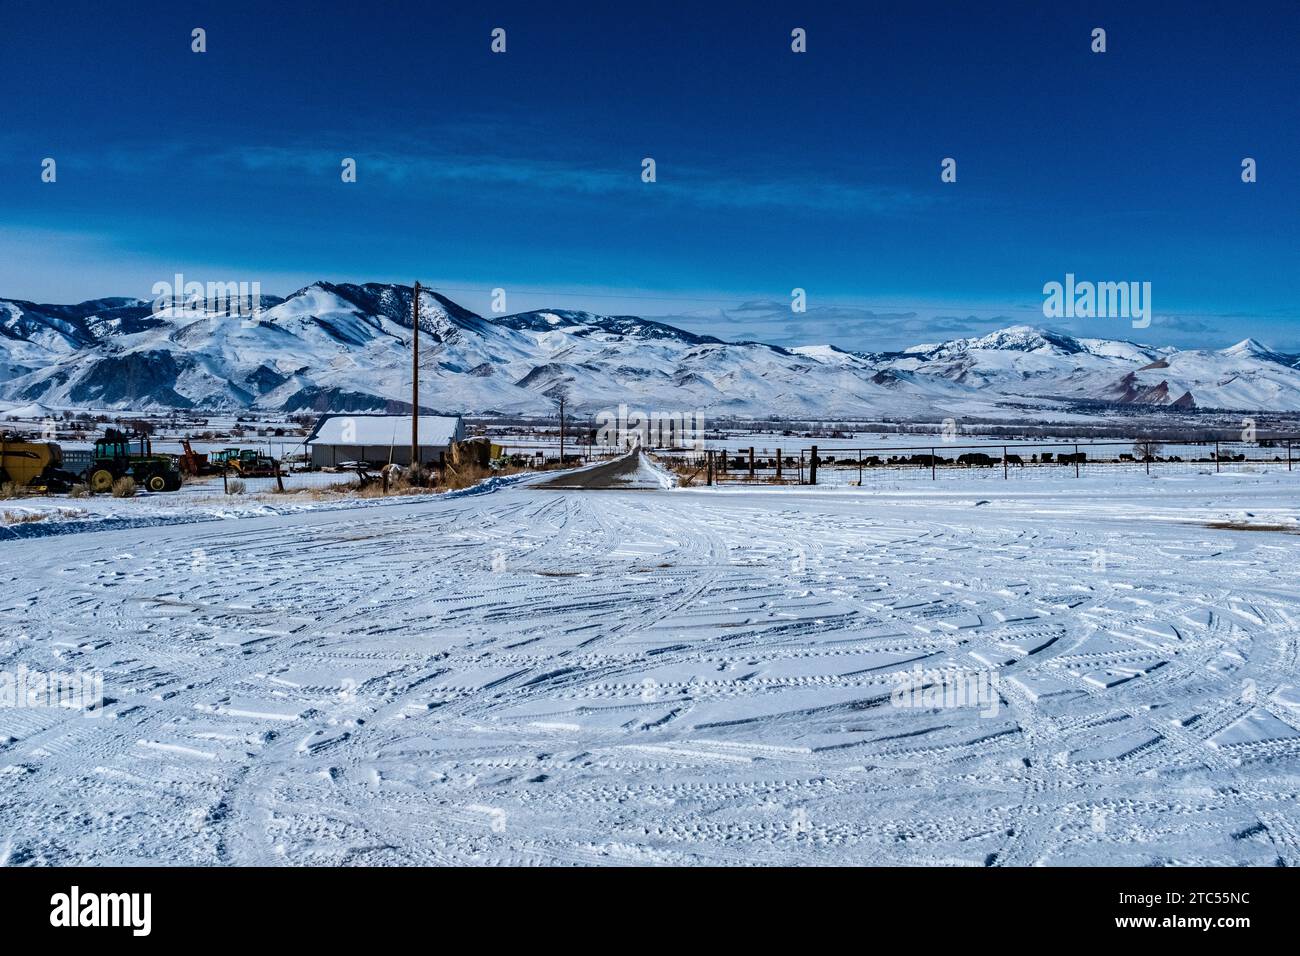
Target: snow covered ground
675	676
197	500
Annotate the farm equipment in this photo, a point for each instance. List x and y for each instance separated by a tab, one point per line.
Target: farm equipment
220	457
35	465
116	456
245	462
195	463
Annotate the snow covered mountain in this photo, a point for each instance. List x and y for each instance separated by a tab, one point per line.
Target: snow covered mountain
1025	361
347	348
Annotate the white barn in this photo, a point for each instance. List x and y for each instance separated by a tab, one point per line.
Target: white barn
380	439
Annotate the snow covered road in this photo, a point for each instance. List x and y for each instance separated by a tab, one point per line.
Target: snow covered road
555	676
634	470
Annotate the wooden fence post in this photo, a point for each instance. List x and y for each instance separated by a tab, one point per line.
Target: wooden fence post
1076	460
751	462
932	474
1004	462
1216	456
778	464
812	466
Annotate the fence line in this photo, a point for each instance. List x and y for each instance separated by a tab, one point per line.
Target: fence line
800	465
572	450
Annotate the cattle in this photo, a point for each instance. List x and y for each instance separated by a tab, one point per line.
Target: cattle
1072	459
975	459
1015	460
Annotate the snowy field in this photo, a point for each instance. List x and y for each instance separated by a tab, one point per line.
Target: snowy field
556	676
200	499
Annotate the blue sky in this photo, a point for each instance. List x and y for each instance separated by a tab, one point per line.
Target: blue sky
775	170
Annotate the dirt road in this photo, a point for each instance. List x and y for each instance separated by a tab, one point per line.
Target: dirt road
632	472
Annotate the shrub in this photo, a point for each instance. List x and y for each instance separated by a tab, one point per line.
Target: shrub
235	486
9	490
80	491
22	517
467	475
124	487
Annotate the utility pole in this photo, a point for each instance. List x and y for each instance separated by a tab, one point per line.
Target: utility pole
415	377
561	428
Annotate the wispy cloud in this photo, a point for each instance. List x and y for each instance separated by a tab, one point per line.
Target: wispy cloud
853	327
544	176
535	176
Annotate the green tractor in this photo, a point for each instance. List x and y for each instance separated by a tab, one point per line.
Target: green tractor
116	455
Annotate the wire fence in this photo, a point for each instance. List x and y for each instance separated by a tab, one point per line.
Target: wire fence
1011	460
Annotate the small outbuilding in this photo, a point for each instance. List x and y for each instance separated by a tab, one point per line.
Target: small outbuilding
378	440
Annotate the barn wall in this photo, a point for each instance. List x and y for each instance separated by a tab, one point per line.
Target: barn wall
324	456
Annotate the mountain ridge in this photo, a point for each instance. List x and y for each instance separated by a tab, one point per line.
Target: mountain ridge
346	347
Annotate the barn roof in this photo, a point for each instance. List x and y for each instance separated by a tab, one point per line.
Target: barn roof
383	430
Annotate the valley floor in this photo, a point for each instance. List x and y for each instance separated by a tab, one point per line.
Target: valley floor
555	676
